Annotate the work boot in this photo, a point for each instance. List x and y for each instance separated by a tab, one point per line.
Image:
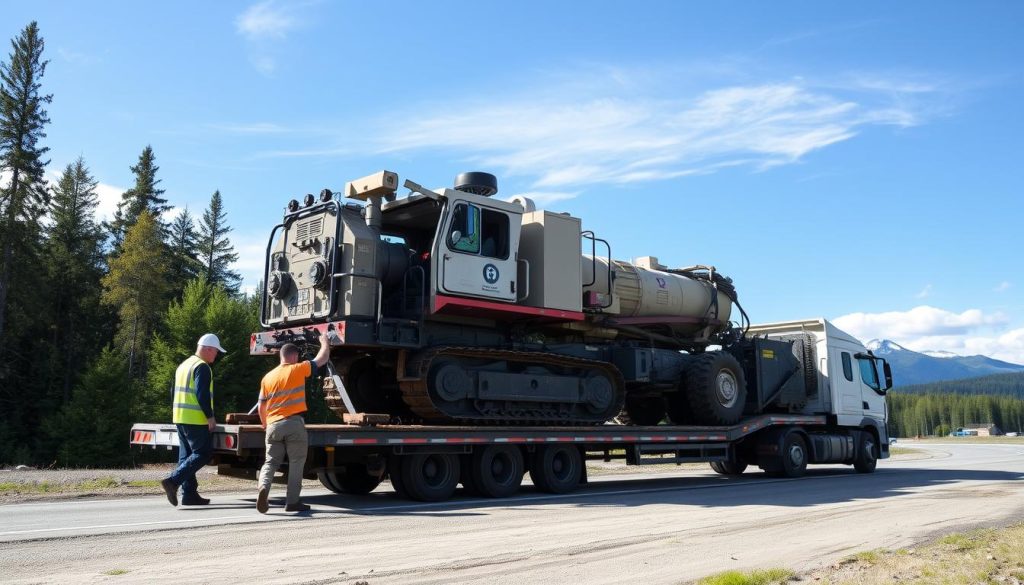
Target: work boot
194	500
297	507
171	490
261	500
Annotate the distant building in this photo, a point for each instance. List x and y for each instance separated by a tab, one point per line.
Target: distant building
983	430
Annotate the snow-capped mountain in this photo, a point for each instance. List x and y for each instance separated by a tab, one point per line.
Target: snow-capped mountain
914	367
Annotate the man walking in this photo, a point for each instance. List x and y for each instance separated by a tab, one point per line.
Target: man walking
282	403
192	407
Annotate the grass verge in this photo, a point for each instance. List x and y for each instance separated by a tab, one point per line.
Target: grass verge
758	577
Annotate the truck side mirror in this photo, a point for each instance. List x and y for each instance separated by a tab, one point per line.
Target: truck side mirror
888	374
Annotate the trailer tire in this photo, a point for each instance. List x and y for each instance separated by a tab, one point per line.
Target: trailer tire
728	467
395	476
643	410
429	477
556	469
866	459
353	480
715	388
496	471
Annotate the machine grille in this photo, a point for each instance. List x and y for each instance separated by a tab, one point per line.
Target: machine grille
309	228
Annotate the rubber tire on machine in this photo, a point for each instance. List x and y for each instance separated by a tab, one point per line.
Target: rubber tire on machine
678	408
867	453
643	411
716	388
792	460
353	480
729	467
496	470
556	469
430	477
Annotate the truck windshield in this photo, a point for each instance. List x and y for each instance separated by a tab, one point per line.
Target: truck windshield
868	373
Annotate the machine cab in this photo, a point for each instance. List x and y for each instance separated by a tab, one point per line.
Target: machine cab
476	248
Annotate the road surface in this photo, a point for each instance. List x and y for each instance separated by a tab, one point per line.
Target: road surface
646	528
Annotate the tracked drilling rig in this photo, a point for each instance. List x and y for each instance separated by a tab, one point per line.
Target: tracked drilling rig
452	306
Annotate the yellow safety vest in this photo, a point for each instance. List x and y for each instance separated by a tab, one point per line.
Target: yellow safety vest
186	404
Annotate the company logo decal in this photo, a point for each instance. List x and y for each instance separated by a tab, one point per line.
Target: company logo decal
661	282
491	273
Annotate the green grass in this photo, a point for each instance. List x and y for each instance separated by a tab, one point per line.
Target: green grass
144	483
961	542
758	577
903	451
116	572
46	487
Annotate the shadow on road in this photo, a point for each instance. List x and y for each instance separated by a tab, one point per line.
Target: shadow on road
817	487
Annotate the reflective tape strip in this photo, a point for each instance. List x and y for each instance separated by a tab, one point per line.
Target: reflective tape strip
277	393
184	389
278	406
185	406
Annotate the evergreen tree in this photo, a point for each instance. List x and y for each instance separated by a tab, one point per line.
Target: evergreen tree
137	288
184	247
205	308
91	429
216	252
144	196
74	259
22	120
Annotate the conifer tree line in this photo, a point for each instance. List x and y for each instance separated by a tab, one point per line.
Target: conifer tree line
913	415
95	316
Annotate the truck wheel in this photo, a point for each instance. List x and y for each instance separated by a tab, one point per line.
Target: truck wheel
867	453
556	469
728	467
353	480
430	477
643	410
497	470
793	456
716	388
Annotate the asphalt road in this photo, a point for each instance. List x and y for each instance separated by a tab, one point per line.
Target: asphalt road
644	528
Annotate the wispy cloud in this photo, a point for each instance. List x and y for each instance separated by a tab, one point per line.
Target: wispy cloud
251	128
924	328
545	198
1002	287
565	140
925	292
266	20
108	197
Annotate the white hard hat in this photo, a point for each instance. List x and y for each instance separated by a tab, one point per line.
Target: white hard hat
211	340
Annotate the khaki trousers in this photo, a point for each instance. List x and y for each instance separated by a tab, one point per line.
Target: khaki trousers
286	437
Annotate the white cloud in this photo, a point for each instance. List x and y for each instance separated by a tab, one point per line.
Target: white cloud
561	138
108	196
1003	287
925	292
971	332
265	20
252	251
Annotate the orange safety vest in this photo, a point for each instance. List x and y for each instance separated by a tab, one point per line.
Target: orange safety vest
283	390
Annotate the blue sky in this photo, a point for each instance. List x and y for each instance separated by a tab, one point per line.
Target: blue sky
860	162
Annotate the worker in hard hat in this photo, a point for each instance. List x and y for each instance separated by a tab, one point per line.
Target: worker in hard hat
192	408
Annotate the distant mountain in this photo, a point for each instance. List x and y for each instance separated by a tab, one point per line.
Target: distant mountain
913	367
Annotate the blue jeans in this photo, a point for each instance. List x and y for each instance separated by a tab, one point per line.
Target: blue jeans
194	450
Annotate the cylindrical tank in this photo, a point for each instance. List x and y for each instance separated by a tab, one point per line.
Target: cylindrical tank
637	290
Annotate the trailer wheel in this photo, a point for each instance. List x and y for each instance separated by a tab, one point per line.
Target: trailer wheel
497	470
556	469
429	477
353	480
716	388
395	476
867	453
643	410
791	461
728	467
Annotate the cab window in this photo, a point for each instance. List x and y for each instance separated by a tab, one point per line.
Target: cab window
479	231
464	235
868	373
847	366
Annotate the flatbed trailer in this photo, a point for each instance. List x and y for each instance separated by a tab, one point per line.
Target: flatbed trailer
428	462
